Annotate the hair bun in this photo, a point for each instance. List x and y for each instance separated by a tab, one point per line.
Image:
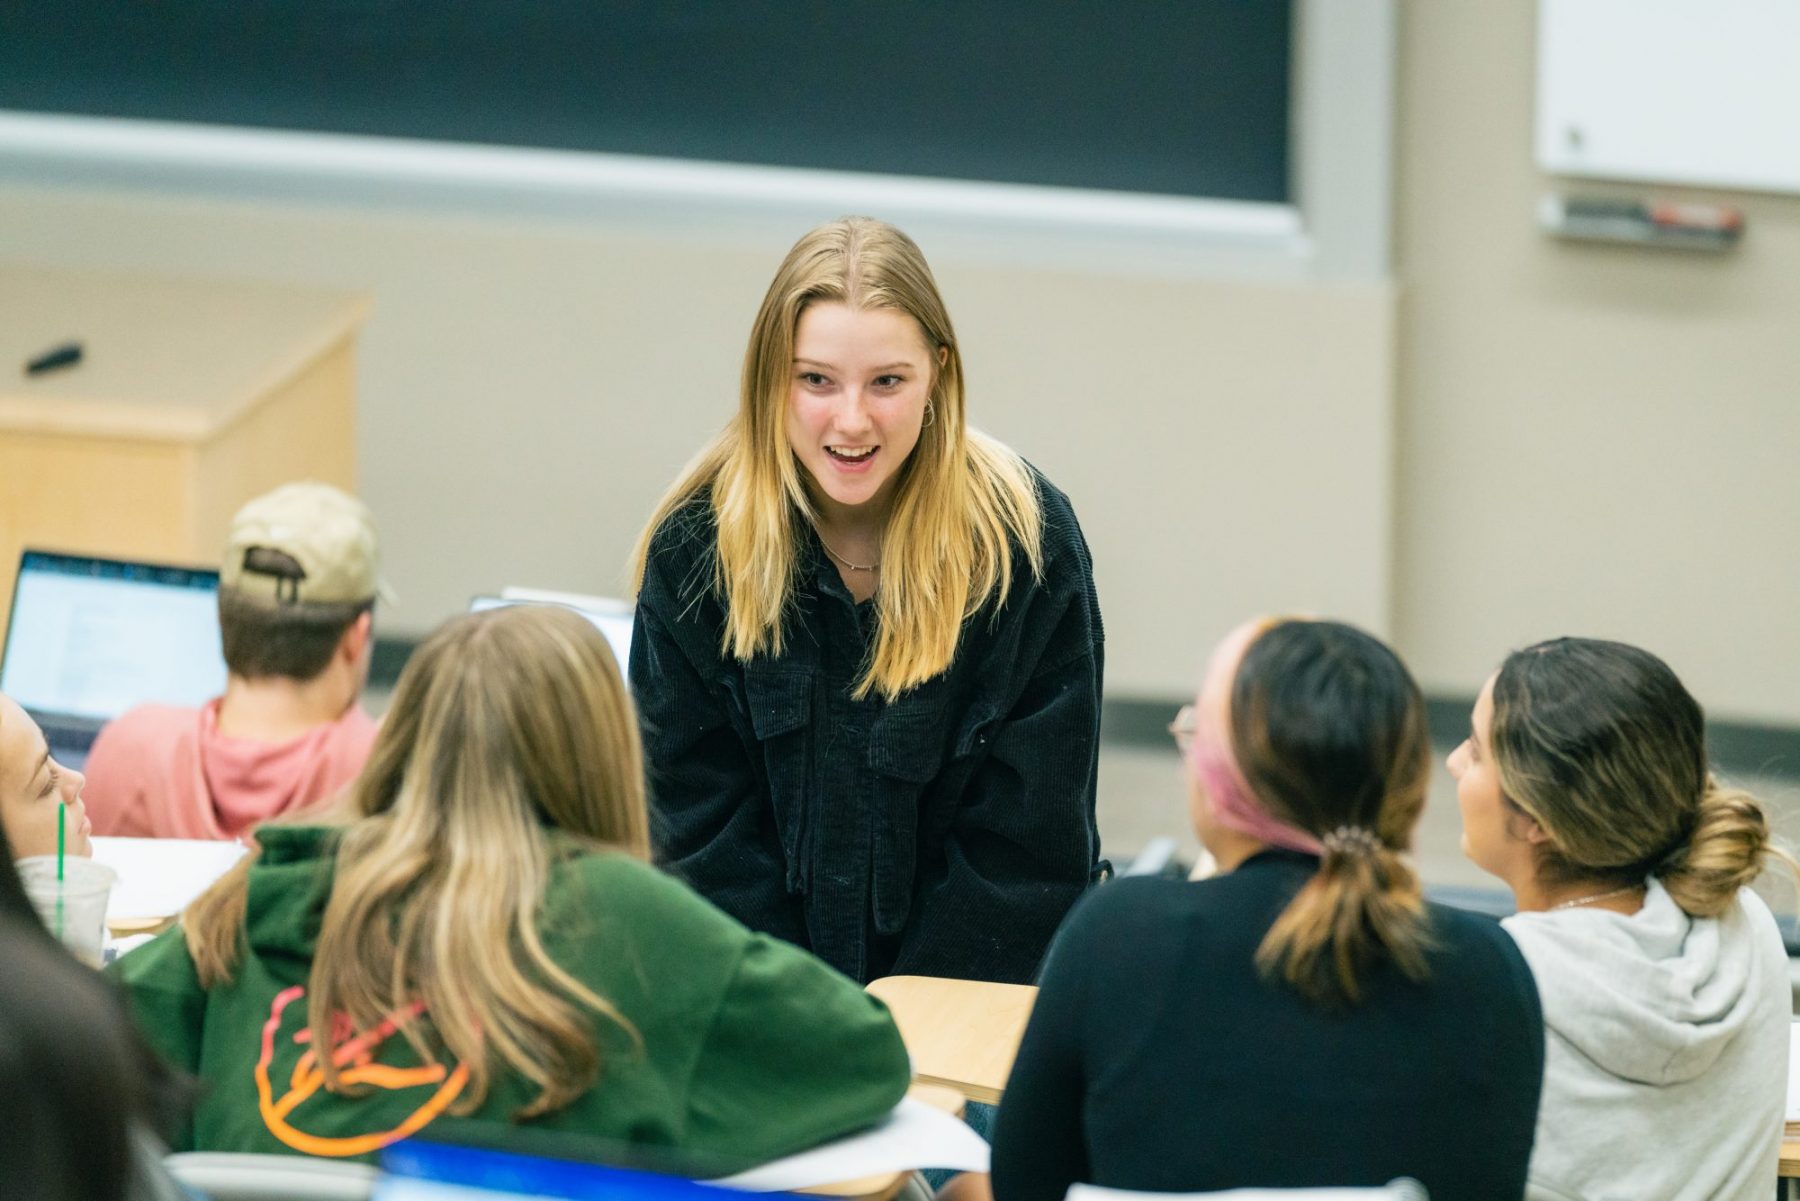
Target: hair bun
1724	851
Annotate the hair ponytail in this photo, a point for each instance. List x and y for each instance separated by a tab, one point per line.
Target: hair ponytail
1362	907
1328	730
1728	849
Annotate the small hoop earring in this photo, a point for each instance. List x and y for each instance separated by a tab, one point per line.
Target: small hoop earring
930	414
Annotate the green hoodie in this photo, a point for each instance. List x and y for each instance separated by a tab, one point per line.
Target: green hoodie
751	1048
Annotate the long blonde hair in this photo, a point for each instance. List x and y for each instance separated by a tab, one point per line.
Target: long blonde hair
510	732
962	497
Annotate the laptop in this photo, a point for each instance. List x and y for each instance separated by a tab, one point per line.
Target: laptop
90	638
417	1170
611	617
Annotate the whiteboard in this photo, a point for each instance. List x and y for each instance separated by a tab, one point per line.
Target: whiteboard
1702	92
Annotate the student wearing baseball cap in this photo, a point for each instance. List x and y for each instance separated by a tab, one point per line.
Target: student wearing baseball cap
297	589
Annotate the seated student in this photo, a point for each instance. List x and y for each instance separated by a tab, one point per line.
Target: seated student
78	1093
486	939
66	1077
1305	1018
33	788
1584	786
297	589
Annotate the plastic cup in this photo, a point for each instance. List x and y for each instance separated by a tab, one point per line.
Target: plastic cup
74	907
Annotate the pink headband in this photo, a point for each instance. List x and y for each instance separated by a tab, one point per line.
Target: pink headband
1233	804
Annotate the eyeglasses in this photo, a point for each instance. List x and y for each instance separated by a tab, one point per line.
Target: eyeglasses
1184	728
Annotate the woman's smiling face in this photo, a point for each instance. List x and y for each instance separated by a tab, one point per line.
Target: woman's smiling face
856	401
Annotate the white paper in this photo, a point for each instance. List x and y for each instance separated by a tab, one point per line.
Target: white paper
159	876
1400	1190
915	1135
1793	1106
406	1188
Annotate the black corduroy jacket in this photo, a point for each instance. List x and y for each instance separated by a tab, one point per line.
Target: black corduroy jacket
944	833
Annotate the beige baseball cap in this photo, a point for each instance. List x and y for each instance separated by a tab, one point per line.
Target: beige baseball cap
304	543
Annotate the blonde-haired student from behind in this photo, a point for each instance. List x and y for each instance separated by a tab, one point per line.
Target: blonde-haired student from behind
484	939
1305	1018
867	642
1584	785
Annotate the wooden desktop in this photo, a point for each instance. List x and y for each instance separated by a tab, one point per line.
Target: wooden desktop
963	1034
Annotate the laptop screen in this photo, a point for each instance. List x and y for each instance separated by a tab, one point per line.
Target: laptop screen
90	638
614	623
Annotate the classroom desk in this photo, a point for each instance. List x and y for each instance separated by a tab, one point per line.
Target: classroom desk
887	1185
1789	1169
158	877
960	1033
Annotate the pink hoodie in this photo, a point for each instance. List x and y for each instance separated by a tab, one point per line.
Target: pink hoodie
164	772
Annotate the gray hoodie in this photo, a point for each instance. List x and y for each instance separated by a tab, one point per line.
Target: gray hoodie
1665	1071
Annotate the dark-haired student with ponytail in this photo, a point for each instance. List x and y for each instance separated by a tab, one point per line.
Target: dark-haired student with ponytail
1305	1018
1584	786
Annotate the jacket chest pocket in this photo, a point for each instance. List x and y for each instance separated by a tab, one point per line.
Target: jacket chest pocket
906	755
780	705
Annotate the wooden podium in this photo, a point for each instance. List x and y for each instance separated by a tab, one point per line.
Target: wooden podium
192	396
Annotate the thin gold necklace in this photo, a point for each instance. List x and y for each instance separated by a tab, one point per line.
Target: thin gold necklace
1599	896
844	561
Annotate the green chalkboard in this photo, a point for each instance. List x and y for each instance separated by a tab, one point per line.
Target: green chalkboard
1186	97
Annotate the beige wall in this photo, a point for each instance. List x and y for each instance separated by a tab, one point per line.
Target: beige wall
1590	438
1593	439
529	388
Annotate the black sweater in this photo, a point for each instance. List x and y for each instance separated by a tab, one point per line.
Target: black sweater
1158	1059
946	833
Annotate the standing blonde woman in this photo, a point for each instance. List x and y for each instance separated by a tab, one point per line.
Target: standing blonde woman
1584	786
868	649
484	939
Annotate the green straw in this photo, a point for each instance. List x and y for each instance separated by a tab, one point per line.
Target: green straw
62	824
